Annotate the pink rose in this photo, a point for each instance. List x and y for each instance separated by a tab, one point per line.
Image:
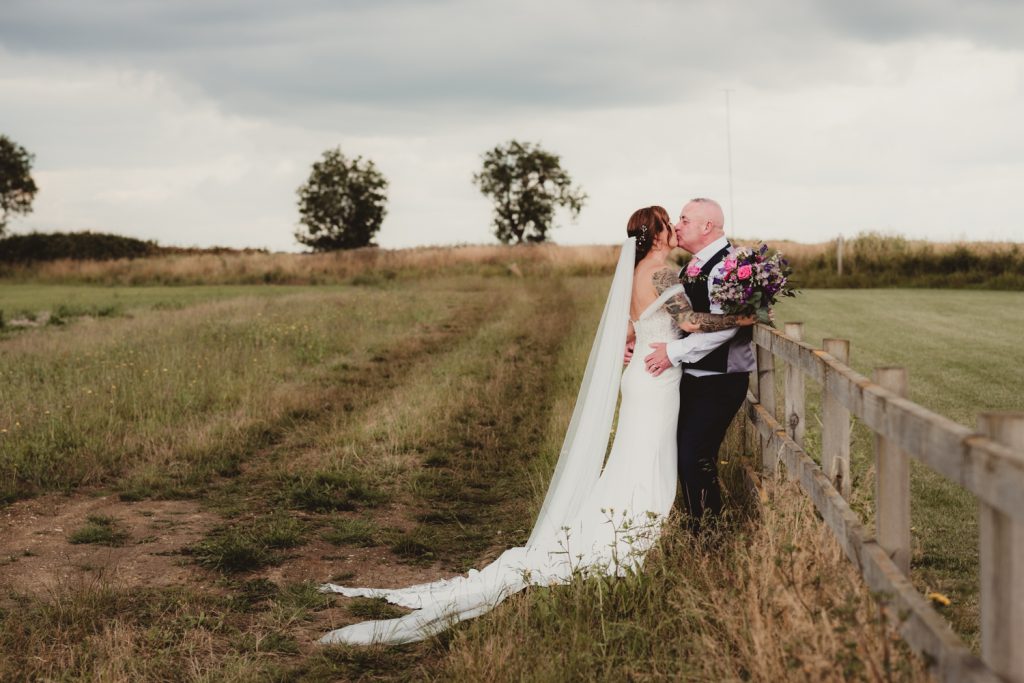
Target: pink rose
730	264
693	269
744	272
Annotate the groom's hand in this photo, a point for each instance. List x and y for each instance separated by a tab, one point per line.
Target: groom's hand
628	356
657	361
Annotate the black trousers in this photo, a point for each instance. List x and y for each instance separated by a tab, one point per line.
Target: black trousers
707	406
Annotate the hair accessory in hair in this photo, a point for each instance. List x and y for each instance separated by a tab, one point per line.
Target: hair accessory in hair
641	240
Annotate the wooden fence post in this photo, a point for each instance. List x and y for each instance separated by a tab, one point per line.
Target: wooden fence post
892	482
835	424
766	396
794	423
1002	566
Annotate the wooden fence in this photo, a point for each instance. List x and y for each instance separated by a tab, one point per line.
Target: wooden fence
988	462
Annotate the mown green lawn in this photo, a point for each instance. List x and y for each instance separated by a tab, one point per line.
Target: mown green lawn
962	350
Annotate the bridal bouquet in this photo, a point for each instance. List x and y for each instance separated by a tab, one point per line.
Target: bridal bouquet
751	282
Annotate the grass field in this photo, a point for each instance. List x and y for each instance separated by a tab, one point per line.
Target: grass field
23	300
178	476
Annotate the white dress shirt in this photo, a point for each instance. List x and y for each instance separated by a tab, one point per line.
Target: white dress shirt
694	347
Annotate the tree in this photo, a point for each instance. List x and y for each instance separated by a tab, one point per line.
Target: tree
17	189
526	183
342	204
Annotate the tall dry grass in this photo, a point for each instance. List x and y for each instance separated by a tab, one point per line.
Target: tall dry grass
876	260
770	597
868	243
870	260
365	266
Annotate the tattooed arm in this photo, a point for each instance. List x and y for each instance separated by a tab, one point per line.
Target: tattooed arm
686	318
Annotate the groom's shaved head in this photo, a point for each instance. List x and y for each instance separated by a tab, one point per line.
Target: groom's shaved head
707	210
700	223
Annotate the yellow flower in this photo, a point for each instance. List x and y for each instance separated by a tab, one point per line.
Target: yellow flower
939	598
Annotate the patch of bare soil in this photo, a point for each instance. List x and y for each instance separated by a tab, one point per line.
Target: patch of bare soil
36	555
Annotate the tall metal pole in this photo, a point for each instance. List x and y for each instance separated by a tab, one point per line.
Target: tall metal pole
728	144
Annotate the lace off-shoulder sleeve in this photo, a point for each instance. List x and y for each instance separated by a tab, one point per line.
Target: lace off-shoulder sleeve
682	312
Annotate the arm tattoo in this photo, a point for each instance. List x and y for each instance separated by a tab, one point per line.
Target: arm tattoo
679	307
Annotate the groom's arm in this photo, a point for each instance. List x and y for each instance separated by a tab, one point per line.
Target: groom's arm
681	310
694	347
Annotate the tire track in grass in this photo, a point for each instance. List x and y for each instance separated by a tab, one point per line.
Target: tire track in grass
250	605
469	496
42	550
472	404
344	386
161	404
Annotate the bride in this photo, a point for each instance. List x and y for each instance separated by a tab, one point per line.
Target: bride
594	520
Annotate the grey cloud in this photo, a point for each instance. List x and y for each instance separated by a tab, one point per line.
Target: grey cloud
317	61
984	22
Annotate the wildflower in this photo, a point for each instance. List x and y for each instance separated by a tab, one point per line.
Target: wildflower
939	598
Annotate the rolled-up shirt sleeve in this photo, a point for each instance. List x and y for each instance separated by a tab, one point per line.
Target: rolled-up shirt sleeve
692	348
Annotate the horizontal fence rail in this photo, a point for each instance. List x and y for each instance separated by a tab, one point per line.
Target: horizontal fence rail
989	463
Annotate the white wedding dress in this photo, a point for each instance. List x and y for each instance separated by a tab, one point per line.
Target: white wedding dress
594	519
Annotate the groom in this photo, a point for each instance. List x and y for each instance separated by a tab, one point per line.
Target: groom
715	364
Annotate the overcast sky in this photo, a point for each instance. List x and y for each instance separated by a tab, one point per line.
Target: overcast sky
194	121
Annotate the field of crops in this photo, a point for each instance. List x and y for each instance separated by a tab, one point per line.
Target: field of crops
180	466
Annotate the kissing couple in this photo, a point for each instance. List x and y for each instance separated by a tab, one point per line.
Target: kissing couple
677	402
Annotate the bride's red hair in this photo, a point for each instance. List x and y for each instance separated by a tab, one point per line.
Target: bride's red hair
645	225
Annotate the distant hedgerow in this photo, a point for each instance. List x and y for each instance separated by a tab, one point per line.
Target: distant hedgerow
81	246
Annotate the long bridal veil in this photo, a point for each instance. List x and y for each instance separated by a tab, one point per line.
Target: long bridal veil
440	604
